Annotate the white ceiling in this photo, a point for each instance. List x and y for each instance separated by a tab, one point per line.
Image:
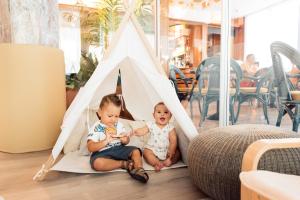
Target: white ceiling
212	14
88	3
242	8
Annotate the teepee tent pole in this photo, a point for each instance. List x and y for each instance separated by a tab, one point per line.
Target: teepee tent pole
40	175
130	15
117	34
147	45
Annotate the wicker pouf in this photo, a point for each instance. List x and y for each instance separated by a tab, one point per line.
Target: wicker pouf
215	157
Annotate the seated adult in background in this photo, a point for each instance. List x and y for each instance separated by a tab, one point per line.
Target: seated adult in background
249	68
295	79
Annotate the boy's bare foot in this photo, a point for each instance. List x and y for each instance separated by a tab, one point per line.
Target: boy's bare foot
167	162
158	166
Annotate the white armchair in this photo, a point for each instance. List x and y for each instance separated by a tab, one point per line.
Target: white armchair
263	185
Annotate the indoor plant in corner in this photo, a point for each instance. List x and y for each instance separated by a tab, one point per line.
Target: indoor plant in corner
88	64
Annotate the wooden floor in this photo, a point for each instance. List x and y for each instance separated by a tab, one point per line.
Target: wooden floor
17	170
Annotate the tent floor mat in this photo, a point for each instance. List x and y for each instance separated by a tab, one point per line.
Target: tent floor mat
76	163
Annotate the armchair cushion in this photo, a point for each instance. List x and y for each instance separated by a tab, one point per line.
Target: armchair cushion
272	185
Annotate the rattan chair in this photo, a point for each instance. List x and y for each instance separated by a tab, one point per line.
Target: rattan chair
286	104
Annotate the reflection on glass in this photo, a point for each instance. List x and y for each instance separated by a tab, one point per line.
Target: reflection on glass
261	24
190	33
96	22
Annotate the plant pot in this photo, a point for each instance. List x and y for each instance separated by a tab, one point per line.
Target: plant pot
70	95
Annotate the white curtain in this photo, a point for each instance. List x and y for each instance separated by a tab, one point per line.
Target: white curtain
69	39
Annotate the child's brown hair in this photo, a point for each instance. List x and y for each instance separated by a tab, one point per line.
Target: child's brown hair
110	98
159	103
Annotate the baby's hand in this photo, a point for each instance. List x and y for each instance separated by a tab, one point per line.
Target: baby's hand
132	133
125	139
135	133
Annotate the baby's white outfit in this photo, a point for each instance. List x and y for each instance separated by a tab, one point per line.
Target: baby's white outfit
158	140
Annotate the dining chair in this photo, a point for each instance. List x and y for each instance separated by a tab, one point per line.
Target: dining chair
208	80
181	83
261	91
195	95
286	104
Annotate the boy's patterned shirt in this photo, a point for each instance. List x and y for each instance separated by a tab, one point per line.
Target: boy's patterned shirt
98	134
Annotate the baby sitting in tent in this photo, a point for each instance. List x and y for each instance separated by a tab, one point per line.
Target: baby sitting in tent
161	149
108	139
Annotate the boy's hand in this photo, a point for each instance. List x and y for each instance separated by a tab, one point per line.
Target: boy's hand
121	135
108	138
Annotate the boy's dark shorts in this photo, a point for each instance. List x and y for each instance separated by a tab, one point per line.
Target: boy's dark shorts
117	153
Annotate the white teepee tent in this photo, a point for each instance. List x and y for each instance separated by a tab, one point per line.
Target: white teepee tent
143	85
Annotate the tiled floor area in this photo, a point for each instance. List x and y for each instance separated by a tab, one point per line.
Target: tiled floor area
249	114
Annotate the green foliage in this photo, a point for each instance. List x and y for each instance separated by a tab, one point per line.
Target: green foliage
97	24
88	64
143	13
72	81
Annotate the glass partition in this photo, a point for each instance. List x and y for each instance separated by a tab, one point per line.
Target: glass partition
87	27
256	25
190	36
190	33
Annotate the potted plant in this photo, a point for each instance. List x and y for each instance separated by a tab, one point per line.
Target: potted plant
72	87
88	64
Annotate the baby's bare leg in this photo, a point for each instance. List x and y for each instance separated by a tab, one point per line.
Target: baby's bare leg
176	157
105	164
170	161
152	159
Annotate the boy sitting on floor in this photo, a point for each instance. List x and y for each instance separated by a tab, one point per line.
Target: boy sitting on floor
107	142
